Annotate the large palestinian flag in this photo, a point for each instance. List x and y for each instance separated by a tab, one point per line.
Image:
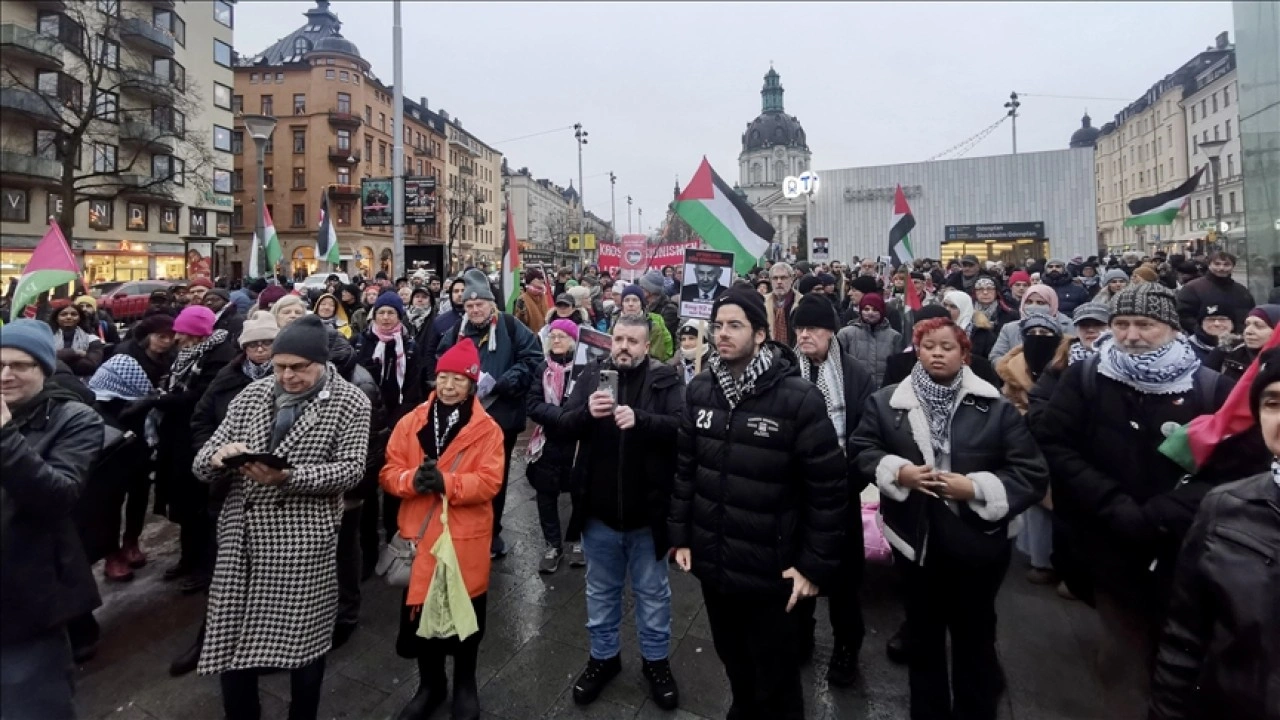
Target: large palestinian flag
1162	208
722	219
510	278
51	265
901	223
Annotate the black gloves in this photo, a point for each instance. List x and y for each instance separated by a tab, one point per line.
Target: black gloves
501	388
428	479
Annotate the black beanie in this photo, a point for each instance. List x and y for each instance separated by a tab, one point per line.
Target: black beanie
1268	372
866	284
812	311
305	337
750	301
806	284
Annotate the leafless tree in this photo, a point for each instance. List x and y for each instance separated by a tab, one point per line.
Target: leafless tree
113	116
559	227
466	206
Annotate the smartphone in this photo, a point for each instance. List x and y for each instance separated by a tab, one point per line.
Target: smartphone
274	462
609	383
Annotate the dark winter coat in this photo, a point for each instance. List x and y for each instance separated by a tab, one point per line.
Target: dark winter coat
762	487
396	403
516	354
45	579
230	320
990	443
652	442
1224	293
444	323
551	471
1070	294
1218	655
1111	484
1231	363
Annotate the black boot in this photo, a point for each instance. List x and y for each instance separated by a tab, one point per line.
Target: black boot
190	658
897	647
466	696
594	678
843	669
433	687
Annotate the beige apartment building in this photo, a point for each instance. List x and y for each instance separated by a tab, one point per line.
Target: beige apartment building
474	198
1144	151
150	183
334	129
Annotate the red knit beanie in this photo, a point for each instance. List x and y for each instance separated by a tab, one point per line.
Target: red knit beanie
462	359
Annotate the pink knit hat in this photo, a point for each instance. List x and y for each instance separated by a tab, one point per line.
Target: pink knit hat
566	326
195	320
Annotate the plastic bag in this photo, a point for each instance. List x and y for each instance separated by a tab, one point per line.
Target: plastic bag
447	611
874	545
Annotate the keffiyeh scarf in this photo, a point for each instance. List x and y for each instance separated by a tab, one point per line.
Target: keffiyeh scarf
188	362
1167	370
417	315
736	390
937	400
1078	352
1275	471
829	377
122	378
554	379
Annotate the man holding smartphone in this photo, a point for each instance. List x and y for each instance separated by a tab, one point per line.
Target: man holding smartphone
625	413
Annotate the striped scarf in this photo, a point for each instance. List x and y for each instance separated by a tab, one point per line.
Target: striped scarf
737	390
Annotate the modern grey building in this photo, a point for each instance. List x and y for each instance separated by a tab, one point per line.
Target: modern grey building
1005	207
1258	67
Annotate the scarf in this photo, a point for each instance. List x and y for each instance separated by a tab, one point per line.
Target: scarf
289	406
417	316
554	379
187	364
780	330
253	371
829	377
991	310
737	390
76	338
484	331
1078	352
1167	370
395	339
937	400
436	436
1275	472
121	377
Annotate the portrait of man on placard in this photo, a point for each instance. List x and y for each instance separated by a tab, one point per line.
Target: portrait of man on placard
704	282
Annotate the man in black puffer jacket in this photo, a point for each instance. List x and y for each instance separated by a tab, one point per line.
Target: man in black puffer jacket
760	503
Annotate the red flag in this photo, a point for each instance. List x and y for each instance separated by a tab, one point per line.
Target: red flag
1234	417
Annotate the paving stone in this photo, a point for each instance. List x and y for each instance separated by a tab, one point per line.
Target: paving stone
531	683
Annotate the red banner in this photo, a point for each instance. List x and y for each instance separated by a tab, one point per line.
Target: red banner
634	254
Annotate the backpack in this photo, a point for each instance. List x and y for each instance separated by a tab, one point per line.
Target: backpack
1207	379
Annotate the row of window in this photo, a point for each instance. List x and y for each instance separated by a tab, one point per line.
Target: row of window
223	11
16	208
1207	210
1204	137
1213	100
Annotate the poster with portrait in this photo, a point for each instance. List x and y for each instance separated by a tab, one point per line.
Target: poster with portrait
593	346
707	274
419	200
375	202
199	260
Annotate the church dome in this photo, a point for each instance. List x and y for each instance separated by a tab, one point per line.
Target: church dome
336	44
1087	135
773	127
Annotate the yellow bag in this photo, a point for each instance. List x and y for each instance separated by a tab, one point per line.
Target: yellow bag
447	611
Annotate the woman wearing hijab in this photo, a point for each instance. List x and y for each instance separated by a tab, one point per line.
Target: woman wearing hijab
80	349
1037	299
1113	281
960	306
274	595
333	315
955	465
694	351
987	302
551	453
1258	326
446	449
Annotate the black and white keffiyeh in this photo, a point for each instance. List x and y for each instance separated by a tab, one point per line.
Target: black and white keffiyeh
1078	352
829	377
937	401
1168	370
736	390
1275	471
187	363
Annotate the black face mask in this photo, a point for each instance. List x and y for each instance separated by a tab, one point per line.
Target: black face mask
1039	351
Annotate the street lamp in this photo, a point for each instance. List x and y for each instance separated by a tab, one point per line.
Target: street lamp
613	204
581	136
628	214
1213	149
260	128
1013	106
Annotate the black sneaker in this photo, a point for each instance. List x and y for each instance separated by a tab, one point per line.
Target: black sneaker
593	679
843	669
662	686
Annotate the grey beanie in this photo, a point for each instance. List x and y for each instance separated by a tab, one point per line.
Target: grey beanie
651	282
477	286
33	338
1055	261
1095	311
305	337
1038	320
1151	300
1114	274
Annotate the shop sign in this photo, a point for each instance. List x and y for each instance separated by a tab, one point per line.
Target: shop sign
996	231
375	202
419	200
13	206
169	220
881	193
136	216
53	205
100	214
806	184
220	201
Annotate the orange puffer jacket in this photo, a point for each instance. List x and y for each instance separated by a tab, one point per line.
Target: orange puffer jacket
472	469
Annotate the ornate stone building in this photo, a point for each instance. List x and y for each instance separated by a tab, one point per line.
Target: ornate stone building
774	147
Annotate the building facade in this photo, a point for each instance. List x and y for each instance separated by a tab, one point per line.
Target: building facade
1005	207
335	125
1145	151
1258	46
473	196
774	147
149	180
1210	110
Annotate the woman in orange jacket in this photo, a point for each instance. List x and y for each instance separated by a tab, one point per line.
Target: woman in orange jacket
448	445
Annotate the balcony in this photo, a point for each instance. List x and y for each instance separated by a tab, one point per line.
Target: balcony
141	134
16	101
42	51
423	152
144	82
143	186
344	119
344	191
163	4
21	169
146	36
344	156
51	5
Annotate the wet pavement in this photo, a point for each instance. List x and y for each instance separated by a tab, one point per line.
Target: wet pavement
536	643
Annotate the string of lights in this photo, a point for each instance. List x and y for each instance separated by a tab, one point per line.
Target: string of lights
975	138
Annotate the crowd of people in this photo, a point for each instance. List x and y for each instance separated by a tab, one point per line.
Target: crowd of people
307	441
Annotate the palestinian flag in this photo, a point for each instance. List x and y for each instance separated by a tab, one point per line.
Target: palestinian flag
510	278
50	266
901	223
1162	208
723	220
327	238
272	241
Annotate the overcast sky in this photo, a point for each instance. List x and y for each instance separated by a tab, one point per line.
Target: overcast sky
658	85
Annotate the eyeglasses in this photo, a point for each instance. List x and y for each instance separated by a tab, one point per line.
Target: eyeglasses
19	367
257	345
295	368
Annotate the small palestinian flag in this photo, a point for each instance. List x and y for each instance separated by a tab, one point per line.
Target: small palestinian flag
901	223
52	264
327	237
510	278
1162	208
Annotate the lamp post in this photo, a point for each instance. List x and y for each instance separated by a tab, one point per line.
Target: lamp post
1013	106
1213	149
613	204
260	128
628	214
581	136
640	219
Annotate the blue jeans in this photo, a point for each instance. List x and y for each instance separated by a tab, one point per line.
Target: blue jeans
610	556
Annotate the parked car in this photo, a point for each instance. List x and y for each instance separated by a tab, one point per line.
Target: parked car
127	301
315	281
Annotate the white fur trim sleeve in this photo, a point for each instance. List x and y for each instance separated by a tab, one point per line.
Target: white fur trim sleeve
989	499
887	477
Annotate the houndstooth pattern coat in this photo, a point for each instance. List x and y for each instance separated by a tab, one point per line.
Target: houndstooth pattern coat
274	595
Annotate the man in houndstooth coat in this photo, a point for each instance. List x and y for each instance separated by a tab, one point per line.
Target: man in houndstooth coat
274	595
